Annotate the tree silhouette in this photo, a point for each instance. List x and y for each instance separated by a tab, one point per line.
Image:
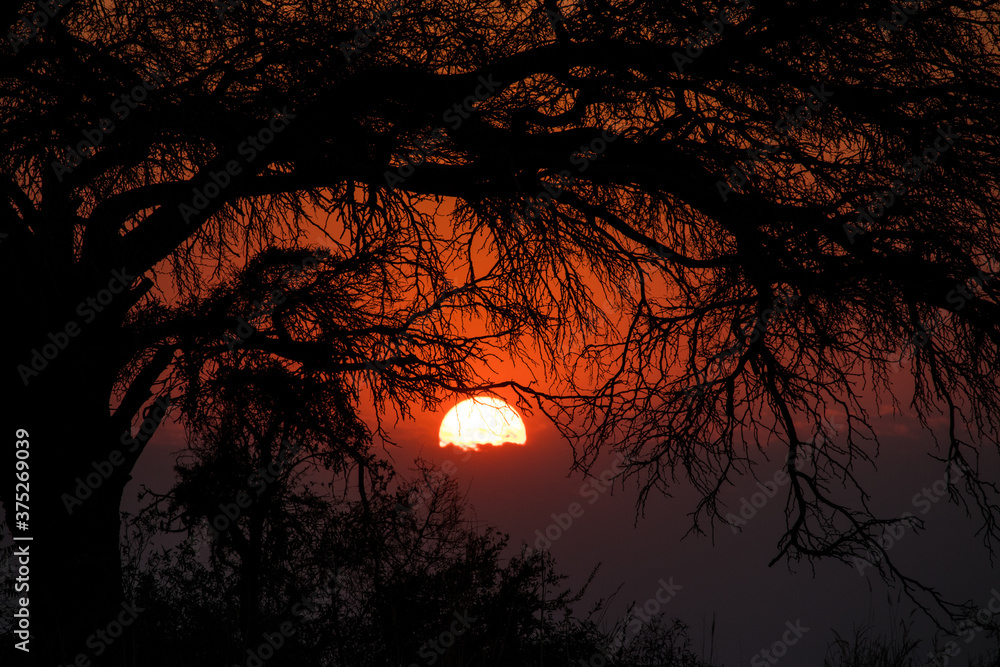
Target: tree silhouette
164	162
385	579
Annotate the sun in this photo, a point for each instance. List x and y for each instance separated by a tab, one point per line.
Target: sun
483	420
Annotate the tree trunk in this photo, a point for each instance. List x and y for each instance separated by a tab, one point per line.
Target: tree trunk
75	587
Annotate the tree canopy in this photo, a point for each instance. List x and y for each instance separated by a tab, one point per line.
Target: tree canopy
770	201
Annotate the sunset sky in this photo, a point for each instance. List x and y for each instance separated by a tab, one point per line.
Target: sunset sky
519	488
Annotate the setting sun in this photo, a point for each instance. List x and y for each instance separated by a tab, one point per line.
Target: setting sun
483	420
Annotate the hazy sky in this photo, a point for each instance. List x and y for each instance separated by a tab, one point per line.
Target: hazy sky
517	489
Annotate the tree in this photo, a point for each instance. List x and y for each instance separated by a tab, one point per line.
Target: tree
601	141
365	577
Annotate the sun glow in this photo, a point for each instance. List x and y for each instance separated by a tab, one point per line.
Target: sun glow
484	420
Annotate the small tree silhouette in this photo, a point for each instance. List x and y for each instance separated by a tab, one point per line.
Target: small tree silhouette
382	586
